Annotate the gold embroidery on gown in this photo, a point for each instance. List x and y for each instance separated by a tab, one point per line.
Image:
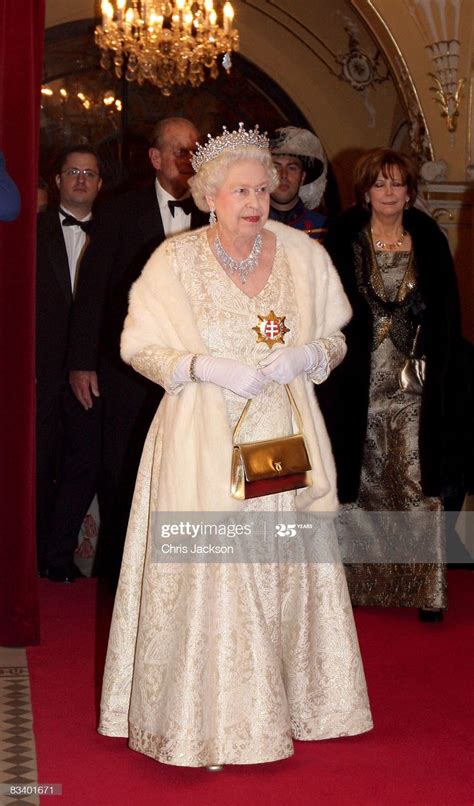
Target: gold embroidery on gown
390	477
226	663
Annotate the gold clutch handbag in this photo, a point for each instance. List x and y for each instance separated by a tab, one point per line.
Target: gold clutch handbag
271	465
413	373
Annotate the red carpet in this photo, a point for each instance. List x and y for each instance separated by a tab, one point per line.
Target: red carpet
420	679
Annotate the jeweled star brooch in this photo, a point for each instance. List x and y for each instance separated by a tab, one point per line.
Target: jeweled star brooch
271	329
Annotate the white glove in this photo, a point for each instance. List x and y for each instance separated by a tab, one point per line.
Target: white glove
285	363
234	375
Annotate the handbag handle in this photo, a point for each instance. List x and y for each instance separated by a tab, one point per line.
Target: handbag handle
293	405
415	342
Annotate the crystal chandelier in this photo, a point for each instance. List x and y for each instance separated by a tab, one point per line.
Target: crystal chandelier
166	43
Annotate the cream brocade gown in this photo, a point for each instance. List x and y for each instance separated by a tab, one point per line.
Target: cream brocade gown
225	662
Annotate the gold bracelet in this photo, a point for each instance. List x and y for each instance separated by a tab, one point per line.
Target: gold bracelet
192	374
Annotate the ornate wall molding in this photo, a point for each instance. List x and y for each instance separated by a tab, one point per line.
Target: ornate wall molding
419	134
355	65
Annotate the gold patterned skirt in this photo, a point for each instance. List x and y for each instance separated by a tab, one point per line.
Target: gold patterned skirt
390	480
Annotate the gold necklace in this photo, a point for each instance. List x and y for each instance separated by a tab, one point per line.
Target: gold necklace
396	245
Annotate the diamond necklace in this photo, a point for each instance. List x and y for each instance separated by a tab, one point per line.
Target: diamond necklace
396	245
242	267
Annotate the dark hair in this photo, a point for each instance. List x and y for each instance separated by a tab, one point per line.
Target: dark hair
384	160
42	184
80	148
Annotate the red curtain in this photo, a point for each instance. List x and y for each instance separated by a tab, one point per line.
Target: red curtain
21	56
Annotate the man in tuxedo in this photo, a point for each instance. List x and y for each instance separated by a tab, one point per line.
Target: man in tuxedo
68	436
133	227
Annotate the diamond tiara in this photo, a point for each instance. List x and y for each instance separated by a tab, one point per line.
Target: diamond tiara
235	139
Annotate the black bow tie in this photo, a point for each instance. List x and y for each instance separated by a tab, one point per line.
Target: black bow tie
70	221
185	204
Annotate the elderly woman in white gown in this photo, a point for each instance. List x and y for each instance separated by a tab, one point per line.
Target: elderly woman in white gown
227	663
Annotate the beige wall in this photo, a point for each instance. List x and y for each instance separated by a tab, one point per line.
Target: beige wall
302	59
394	14
60	11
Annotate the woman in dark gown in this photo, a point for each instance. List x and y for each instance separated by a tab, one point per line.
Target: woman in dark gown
396	449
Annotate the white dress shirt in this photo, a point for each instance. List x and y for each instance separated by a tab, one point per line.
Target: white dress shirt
172	225
75	239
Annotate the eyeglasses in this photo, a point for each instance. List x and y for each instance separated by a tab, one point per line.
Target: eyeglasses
85	172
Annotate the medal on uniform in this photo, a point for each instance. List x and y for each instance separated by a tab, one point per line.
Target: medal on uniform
271	329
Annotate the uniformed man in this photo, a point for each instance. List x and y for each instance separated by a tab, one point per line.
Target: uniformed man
302	167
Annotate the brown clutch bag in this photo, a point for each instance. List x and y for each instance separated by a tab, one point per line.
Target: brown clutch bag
271	465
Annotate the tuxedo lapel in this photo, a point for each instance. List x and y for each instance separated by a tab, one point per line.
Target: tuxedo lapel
58	257
149	218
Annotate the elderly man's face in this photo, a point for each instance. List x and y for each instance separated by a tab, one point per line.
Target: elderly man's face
291	174
171	158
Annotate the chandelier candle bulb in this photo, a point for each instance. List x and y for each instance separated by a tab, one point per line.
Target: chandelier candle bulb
107	13
228	17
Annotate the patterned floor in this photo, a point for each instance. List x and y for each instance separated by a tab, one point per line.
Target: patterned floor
17	746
